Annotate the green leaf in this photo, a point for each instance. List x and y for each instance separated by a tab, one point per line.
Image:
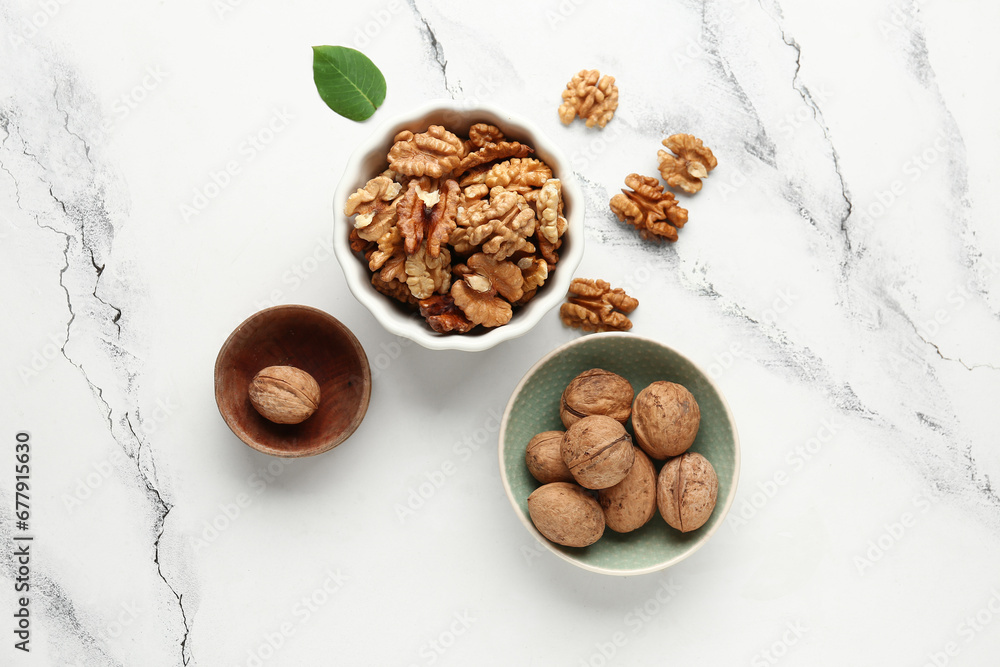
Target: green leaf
348	81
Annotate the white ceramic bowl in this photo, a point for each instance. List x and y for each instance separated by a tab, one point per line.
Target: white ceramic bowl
369	159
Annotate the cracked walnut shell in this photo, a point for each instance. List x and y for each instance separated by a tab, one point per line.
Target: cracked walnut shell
433	153
591	97
691	163
593	306
649	208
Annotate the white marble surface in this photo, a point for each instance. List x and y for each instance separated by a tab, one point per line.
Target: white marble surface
840	275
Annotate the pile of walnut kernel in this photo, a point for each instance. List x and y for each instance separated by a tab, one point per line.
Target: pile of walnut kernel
463	229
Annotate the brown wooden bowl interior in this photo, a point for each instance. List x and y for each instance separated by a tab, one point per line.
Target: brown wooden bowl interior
305	338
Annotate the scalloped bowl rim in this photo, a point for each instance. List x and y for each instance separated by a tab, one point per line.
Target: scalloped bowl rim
723	505
414	328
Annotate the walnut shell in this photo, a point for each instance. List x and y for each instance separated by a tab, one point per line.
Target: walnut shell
284	395
566	514
596	392
544	458
598	451
665	418
686	491
631	503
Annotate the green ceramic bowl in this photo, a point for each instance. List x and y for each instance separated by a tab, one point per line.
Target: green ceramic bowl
534	407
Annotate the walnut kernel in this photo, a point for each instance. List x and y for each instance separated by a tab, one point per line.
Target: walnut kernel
649	208
591	97
593	306
692	162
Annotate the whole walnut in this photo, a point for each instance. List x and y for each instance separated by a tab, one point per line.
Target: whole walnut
598	451
631	503
665	418
596	392
566	514
544	458
284	394
686	491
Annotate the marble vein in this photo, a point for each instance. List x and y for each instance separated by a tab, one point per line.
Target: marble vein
808	99
87	228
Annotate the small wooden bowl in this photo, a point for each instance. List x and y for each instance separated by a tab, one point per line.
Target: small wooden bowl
308	339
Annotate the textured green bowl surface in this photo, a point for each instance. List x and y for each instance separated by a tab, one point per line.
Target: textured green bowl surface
534	407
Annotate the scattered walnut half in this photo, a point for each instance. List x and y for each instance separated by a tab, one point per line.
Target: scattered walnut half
592	305
649	208
692	162
591	97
